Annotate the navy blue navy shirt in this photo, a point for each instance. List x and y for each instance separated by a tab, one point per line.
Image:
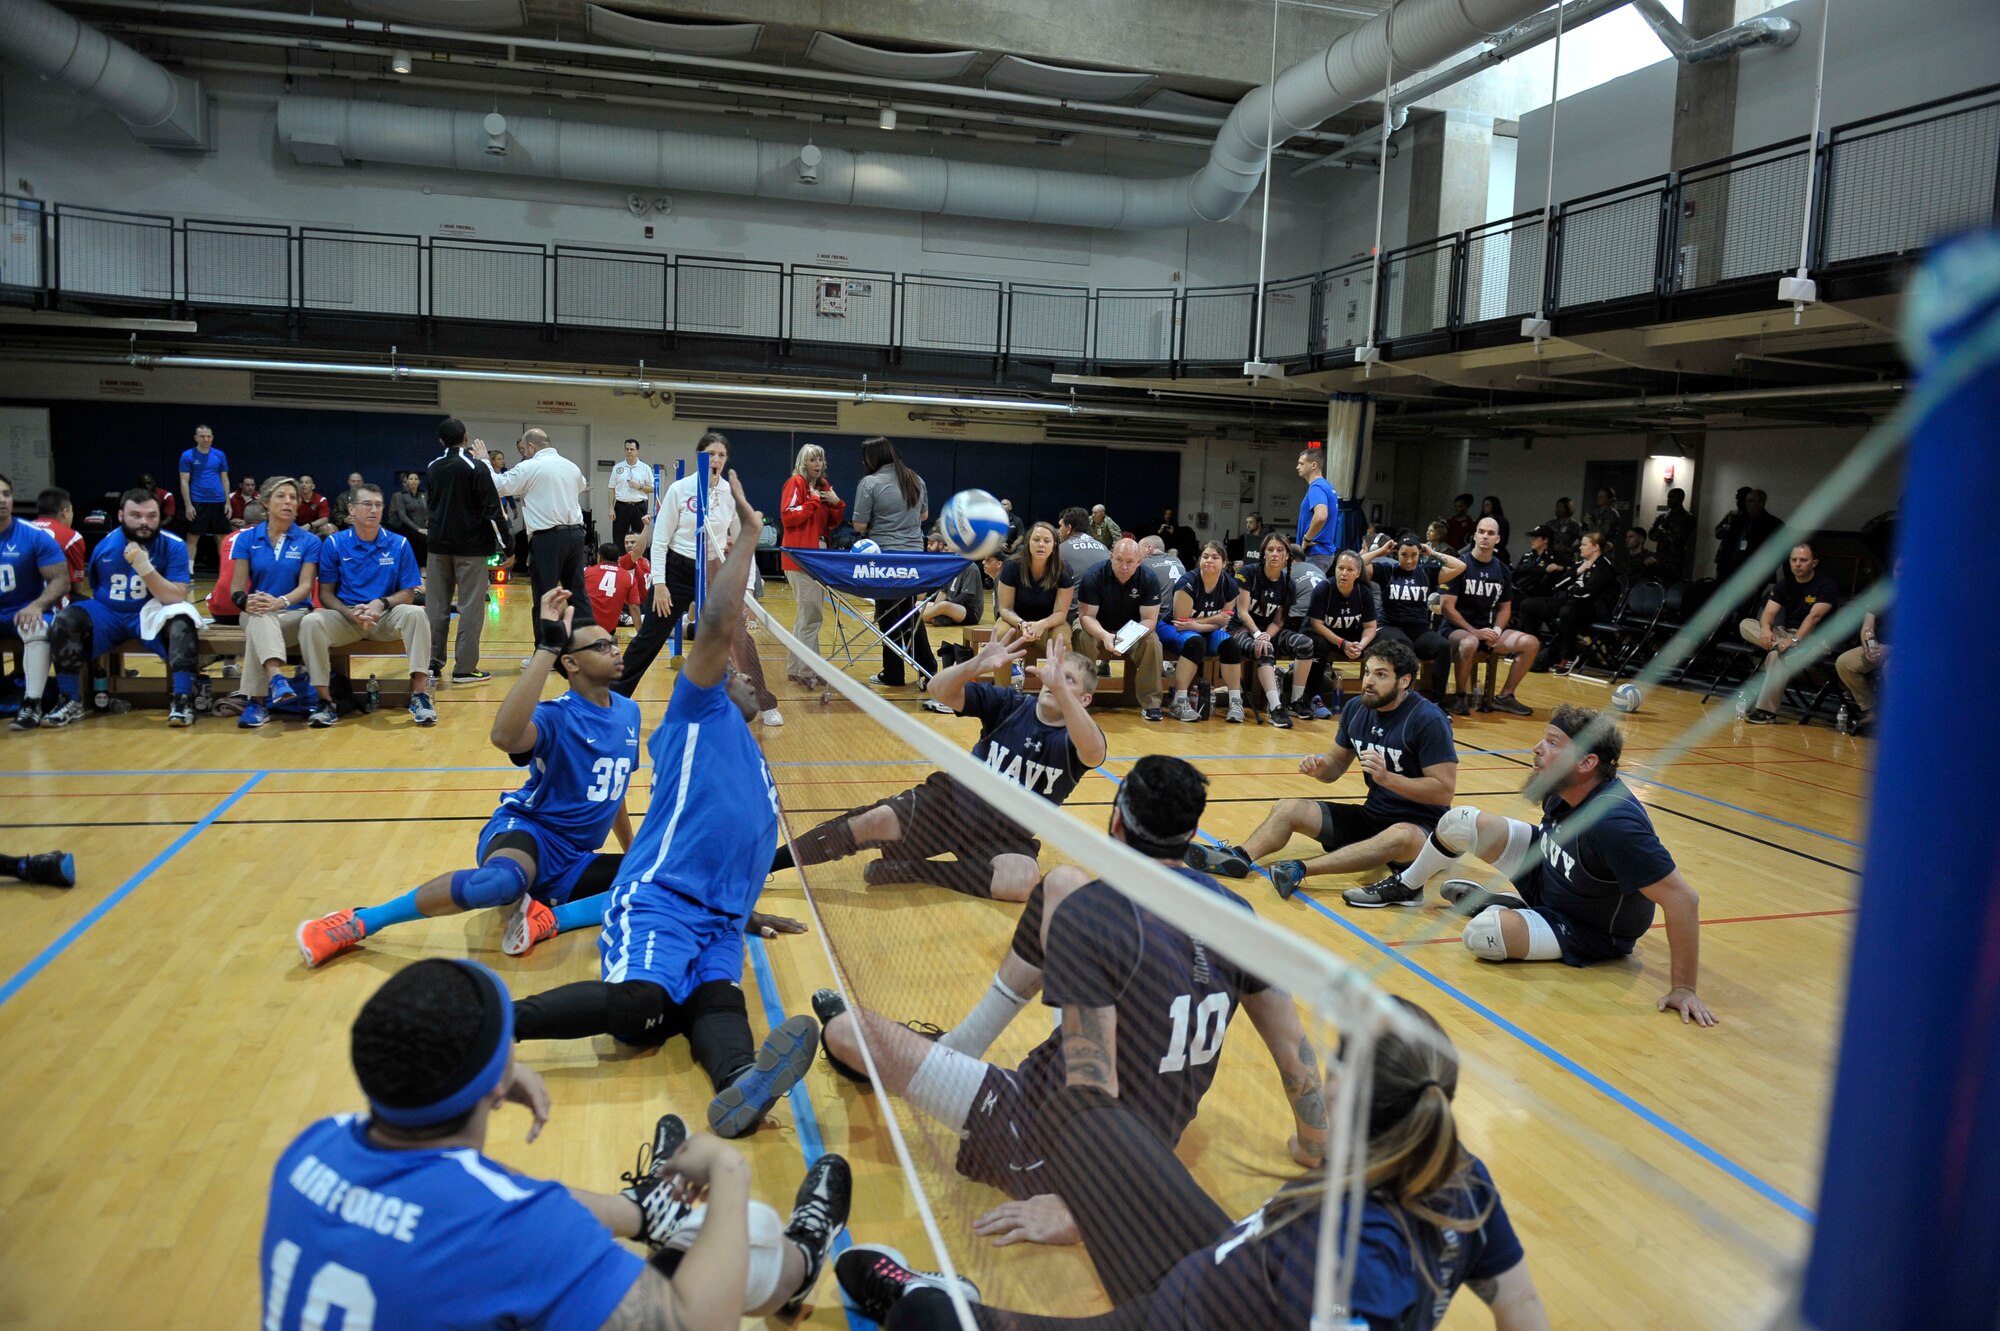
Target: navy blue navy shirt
25	550
1321	491
1412	737
1270	598
359	571
1594	877
1481	590
1797	599
1173	997
1032	601
118	587
357	1235
1118	603
1343	612
205	474
1261	1276
1406	595
275	564
1019	745
584	756
712	824
1208	601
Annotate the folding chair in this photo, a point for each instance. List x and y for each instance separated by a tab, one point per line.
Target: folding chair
852	582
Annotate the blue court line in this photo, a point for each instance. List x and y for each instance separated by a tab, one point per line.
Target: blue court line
811	1144
104	907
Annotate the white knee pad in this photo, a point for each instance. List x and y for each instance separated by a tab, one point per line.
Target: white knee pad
1458	830
944	1086
767	1252
1482	936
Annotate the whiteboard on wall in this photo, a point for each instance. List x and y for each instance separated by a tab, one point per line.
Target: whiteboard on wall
24	453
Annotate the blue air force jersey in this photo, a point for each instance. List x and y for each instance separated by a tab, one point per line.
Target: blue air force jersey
357	1235
275	565
1406	595
1413	736
583	758
712	825
1482	589
117	586
1262	1275
359	571
1594	876
25	550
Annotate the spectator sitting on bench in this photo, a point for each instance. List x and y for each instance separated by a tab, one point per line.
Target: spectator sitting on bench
1113	594
315	512
34	578
247	494
1858	666
1800	599
963	602
1477	609
1034	590
368	584
55	515
275	566
1342	622
1164	563
130	569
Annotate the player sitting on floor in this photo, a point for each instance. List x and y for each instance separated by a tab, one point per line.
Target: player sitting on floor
138	581
1169	1256
34	578
52	868
1580	896
1144	1012
1044	743
671	952
402	1210
1409	765
544	839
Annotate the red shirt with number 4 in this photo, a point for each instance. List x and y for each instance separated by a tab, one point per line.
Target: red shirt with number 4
611	589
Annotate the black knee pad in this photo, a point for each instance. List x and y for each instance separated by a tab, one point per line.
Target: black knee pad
183	645
1028	929
1230	653
70	640
637	1012
1194	651
717	998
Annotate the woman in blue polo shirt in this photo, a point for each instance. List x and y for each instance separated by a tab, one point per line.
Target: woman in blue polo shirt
277	563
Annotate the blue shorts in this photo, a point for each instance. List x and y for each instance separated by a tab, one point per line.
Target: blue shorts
1171	638
653	934
558	862
109	628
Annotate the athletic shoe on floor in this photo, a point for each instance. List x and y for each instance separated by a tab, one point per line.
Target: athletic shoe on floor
1320	711
1286	875
1183	710
787	1052
1511	705
1229	861
874	1278
662	1210
1485	703
1390	891
180	710
28	718
1563	667
54	868
1759	717
771	716
530	923
933	705
325	938
324	714
470	676
1234	716
253	716
422	710
71	711
819	1214
1152	714
281	691
826	1005
1472	897
1460	704
1280	717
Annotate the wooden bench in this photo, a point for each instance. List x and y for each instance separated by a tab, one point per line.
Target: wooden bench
226	641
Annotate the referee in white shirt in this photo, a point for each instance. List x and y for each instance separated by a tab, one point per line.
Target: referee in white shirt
631	486
546	485
673	535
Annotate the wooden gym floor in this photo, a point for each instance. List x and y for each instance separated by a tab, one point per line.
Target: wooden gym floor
162	1042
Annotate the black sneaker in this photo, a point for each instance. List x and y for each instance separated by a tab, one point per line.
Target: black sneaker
826	1005
1460	704
1152	714
470	676
28	718
662	1210
1759	717
819	1214
53	868
1390	891
1280	717
180	711
1511	705
787	1052
1471	897
324	714
874	1277
1229	861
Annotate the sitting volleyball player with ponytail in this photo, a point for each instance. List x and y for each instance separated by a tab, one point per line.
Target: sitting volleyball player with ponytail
1172	1260
397	1217
1043	742
1144	1011
1582	894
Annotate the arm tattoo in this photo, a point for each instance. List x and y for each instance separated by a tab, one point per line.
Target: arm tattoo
1487	1290
647	1306
1084	1057
1304	1090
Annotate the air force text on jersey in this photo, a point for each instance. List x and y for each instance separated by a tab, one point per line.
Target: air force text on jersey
391	1217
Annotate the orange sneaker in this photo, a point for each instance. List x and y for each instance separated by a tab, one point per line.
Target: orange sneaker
325	938
531	923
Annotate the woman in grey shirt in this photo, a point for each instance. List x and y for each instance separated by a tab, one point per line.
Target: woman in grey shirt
409	515
891	507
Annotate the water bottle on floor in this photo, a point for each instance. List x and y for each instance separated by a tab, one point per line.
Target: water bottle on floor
1742	703
1844	721
374	693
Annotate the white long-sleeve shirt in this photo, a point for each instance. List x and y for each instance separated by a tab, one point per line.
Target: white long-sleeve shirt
674	525
547	486
631	482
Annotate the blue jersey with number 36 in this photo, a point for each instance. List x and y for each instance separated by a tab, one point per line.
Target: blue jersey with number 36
117	586
584	756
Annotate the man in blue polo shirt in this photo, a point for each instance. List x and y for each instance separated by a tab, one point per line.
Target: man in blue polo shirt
1319	528
135	567
34	578
205	490
368	582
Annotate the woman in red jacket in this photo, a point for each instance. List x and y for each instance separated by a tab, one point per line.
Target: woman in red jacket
808	510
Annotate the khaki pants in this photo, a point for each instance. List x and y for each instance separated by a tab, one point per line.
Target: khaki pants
267	638
808	610
1801	656
1857	672
326	629
1142	663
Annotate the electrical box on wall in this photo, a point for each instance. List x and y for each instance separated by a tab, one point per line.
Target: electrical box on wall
830	297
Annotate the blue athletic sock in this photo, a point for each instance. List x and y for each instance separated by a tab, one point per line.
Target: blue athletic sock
183	681
66	685
583	913
399	911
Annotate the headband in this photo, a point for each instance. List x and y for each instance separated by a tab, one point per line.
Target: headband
1145	840
478	1072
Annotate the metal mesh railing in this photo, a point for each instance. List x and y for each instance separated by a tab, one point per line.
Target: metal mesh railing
1504	264
952	314
1609	245
1417	289
1135	327
488	281
360	272
237	263
1741	218
122	256
1216	324
1291	323
23	244
1048	321
610	289
730	298
1895	188
860	313
1343	303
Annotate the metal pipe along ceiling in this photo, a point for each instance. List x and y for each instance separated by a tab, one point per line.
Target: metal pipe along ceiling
160	107
1330	81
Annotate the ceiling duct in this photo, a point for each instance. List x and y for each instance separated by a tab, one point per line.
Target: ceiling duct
475	15
344	389
1350	70
884	62
159	107
1083	85
655	35
743	410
